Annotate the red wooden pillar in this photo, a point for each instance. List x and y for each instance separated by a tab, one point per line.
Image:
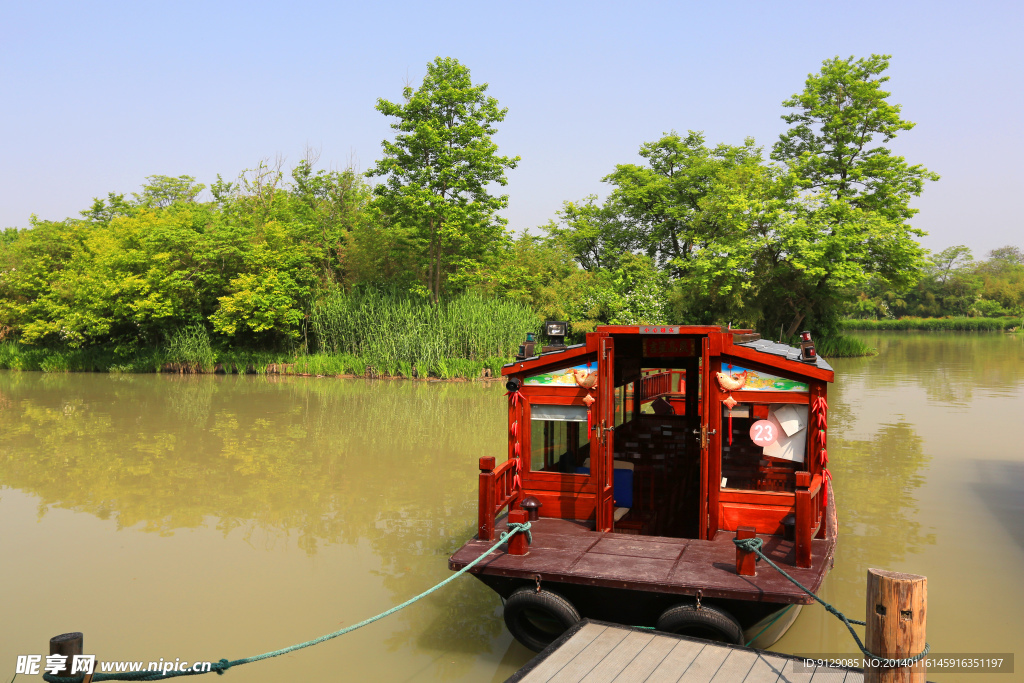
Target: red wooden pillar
517	544
803	519
485	527
744	559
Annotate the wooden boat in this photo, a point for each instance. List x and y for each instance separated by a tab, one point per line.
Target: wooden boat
639	456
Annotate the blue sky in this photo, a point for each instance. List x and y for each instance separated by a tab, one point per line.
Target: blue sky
96	96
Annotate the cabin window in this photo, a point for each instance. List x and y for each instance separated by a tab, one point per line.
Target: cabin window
763	445
620	405
559	441
662	391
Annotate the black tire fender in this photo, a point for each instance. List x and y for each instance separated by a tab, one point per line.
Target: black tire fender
536	618
707	622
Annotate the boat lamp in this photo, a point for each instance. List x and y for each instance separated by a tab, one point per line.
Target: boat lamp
807	352
556	330
513	384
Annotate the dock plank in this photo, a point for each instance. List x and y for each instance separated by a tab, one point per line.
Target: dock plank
704	666
766	669
563	655
736	666
590	656
676	662
795	672
826	674
646	661
598	652
609	668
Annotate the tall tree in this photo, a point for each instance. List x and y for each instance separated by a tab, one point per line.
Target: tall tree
660	204
437	172
857	193
591	232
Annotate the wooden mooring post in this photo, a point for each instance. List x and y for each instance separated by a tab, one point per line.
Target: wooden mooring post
897	607
69	645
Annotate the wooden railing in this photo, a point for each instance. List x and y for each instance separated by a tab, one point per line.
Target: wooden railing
652	386
810	511
496	491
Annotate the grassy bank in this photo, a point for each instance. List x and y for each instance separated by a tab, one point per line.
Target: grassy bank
366	334
395	333
15	356
842	346
936	324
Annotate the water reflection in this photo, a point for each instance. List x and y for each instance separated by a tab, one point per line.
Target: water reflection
950	366
284	461
877	480
328	461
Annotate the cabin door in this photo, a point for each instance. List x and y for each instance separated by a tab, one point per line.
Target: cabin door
603	433
704	436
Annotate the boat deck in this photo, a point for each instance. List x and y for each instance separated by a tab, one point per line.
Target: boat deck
565	551
595	651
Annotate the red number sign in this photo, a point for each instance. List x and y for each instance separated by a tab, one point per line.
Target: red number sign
764	433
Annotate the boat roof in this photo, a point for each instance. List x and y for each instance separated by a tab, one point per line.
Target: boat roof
765	346
549	354
784	350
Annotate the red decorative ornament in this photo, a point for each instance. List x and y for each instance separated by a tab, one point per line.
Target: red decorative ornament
820	409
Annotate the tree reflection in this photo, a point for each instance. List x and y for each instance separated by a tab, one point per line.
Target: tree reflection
286	459
949	366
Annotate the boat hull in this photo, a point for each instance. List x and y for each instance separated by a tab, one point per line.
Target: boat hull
643	608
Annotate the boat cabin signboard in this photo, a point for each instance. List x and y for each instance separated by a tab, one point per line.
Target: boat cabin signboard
640	455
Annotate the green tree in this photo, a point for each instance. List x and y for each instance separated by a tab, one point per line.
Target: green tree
437	171
856	192
659	206
949	261
590	232
161	191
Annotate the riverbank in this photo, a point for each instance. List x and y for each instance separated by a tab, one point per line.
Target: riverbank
1005	324
202	359
20	357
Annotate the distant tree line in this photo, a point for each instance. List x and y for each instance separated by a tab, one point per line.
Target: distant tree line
952	283
696	233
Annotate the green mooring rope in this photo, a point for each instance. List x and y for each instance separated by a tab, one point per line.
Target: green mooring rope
753	545
223	665
770	624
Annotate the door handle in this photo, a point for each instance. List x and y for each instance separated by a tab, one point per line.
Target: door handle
704	433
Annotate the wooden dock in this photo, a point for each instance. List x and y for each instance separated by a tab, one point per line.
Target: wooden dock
595	651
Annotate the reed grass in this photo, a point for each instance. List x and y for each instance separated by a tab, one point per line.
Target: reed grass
189	349
843	346
935	324
396	333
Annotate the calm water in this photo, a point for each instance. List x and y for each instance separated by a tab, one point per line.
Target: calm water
210	517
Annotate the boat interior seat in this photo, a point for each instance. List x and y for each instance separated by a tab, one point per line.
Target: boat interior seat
622	484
